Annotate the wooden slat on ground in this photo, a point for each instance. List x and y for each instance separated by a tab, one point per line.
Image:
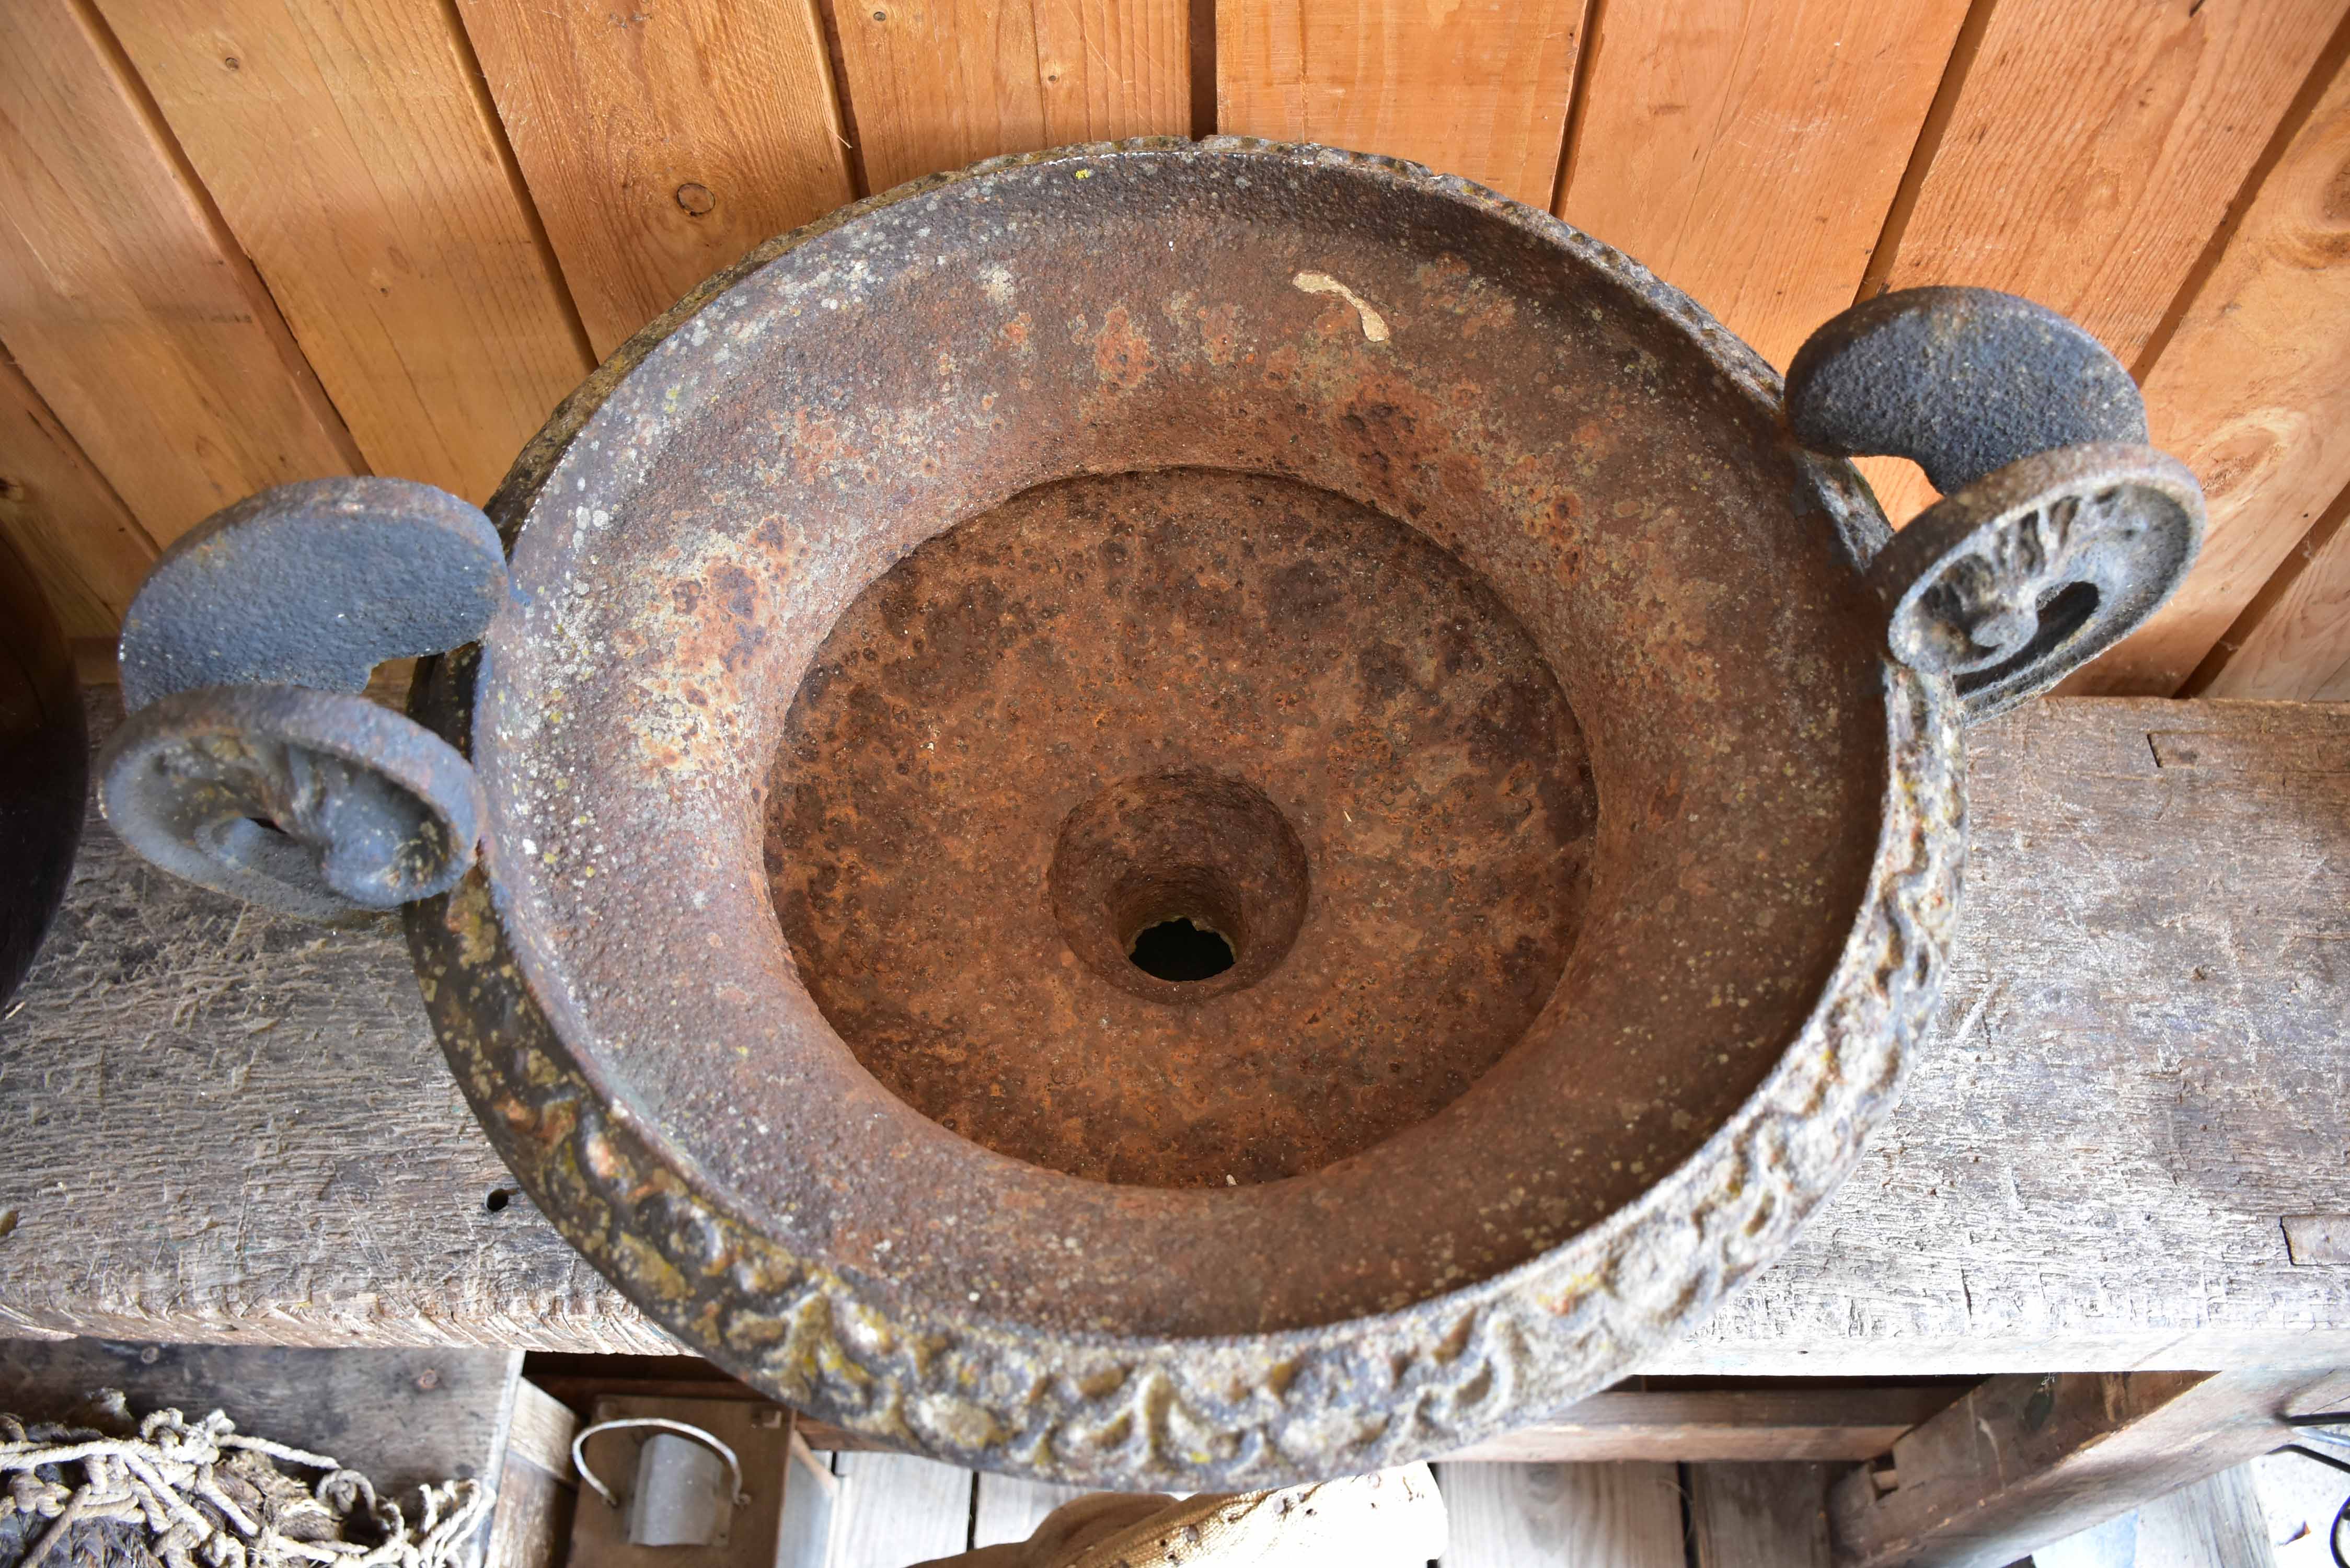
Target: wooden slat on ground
124	298
893	1509
1747	151
2254	393
1477	87
937	84
2142	1048
662	141
81	542
2090	151
354	155
1562	1516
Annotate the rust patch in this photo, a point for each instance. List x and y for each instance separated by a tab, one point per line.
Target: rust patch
1122	355
1273	639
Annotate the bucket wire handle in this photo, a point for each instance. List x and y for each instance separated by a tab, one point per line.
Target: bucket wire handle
683	1428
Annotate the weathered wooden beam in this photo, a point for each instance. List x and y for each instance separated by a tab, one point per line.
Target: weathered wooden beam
2023	1460
1744	1424
1755	1425
218	1124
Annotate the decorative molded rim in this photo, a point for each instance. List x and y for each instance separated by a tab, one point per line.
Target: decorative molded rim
1249	1410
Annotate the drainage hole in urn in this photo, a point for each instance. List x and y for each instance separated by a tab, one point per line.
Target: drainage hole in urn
1179	950
1179	887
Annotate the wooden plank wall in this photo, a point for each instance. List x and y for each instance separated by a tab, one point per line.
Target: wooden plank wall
249	241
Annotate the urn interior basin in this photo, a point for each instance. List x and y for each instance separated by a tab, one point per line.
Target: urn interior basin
1173	814
1415	598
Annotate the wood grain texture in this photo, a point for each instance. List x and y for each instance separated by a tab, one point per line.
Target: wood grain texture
530	1525
538	1487
2137	1068
1747	151
1792	1424
662	141
811	1492
893	1509
1759	1516
543	1429
1562	1516
2293	642
1478	87
937	84
2094	145
2137	1056
2089	152
353	152
124	300
2253	392
2023	1460
81	541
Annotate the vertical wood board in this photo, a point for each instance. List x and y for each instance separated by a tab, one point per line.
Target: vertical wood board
2091	149
124	300
1747	151
893	1509
2094	144
351	149
82	543
1476	87
1759	1516
937	84
1562	1516
2253	392
661	140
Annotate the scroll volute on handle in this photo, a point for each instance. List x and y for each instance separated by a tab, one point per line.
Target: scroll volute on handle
2060	531
249	763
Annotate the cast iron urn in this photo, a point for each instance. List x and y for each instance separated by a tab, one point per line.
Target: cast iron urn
1173	814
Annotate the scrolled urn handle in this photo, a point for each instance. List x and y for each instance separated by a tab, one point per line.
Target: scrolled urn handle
2060	531
247	762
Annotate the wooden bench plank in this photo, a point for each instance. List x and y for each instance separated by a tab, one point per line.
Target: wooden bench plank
220	1123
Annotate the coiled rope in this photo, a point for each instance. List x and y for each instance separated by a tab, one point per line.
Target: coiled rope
208	1497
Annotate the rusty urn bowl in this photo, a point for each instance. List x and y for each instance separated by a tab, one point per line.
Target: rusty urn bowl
1187	815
